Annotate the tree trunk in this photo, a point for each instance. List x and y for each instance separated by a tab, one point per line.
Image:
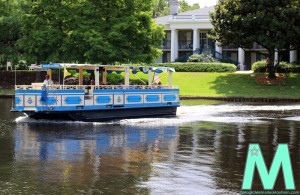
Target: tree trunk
271	67
271	71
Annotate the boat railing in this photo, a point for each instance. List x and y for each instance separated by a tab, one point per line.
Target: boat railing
99	87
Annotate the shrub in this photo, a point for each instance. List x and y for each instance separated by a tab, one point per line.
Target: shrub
196	58
115	79
210	58
201	58
183	58
22	65
259	66
200	67
284	67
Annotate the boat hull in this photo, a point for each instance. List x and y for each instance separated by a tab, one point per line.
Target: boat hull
105	114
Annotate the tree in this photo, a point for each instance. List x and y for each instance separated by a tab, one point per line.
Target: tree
106	31
127	30
273	24
184	6
162	7
42	32
10	26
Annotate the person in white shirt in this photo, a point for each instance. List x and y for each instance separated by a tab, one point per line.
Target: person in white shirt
48	81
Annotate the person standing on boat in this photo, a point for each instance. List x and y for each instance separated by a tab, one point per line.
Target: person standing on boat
47	80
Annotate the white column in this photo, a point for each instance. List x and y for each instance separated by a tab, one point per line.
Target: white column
173	36
97	83
195	39
126	77
149	77
241	58
275	57
176	45
293	55
218	48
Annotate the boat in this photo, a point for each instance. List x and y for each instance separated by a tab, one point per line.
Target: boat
98	100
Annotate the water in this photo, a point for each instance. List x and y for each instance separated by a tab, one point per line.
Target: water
201	151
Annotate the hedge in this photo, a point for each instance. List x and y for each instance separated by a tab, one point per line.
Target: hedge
199	67
284	67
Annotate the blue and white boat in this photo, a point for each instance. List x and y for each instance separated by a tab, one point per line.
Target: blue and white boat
99	101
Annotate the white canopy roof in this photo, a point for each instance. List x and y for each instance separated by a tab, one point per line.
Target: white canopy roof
106	67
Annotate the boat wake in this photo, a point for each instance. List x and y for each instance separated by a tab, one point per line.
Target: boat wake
228	113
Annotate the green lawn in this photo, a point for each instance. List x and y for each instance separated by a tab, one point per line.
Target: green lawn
233	85
7	91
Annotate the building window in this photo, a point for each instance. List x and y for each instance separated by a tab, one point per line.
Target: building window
203	40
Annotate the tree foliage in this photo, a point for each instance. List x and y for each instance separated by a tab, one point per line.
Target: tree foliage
10	26
184	6
162	7
273	24
106	31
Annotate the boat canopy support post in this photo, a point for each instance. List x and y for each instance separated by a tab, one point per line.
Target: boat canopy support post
64	76
49	72
170	78
104	76
65	70
126	78
80	76
59	76
97	74
149	77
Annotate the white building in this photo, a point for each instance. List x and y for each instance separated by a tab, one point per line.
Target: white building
186	33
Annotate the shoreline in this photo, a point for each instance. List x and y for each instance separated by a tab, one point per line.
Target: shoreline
7	96
241	99
228	99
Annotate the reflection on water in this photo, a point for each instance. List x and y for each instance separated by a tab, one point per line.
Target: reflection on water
201	151
64	143
91	158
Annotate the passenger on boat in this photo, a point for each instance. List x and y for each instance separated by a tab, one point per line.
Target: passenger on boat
159	85
120	86
47	80
92	79
92	82
132	85
140	86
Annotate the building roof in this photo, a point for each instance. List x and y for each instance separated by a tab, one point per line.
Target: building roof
204	12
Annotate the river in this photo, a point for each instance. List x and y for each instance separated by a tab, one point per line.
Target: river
202	150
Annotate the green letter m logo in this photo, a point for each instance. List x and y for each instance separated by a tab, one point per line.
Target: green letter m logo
281	158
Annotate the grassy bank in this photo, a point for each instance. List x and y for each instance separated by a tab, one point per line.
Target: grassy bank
227	85
234	85
7	91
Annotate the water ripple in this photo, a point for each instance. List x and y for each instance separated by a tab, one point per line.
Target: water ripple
228	113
